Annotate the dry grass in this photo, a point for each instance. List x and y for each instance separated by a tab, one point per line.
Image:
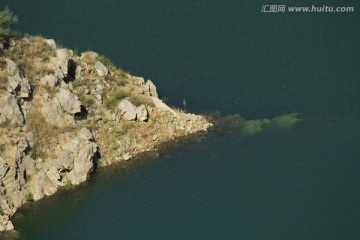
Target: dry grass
43	131
32	55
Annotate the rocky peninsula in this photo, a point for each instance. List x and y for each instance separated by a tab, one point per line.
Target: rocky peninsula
62	115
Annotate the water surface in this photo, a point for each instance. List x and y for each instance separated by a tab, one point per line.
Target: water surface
296	183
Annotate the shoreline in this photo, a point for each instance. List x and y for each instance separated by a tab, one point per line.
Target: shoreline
66	115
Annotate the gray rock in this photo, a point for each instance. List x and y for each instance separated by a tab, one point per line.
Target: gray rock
53	114
127	110
152	88
53	174
50	80
41	186
13	85
10	111
51	43
101	69
69	102
11	68
142	113
85	134
17	83
83	163
162	106
62	54
126	156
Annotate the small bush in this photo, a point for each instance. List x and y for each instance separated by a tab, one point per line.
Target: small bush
68	185
112	101
135	100
105	61
1	212
30	197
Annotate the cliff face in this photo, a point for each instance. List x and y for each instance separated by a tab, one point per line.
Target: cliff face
61	115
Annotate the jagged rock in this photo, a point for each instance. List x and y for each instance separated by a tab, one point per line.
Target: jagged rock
28	165
69	102
41	186
10	111
17	83
62	54
53	114
152	88
127	110
11	68
101	69
85	134
83	162
51	43
142	113
162	106
4	167
49	80
13	86
53	174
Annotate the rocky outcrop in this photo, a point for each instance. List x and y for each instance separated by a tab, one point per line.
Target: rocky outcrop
56	122
68	101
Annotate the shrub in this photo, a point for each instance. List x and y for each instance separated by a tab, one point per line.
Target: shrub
111	101
29	197
135	100
7	18
68	185
1	211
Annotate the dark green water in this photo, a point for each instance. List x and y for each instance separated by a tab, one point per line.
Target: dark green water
298	183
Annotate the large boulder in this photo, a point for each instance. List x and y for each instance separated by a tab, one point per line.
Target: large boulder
101	69
54	114
41	186
68	101
51	43
151	88
127	110
142	113
10	111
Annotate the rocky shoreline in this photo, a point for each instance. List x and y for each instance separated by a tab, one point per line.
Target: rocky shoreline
63	115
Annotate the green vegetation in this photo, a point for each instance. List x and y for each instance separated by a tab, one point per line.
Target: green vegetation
113	100
68	185
7	19
1	211
87	100
281	122
135	100
105	61
125	128
29	197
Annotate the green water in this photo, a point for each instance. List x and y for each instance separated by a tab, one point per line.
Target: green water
296	183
